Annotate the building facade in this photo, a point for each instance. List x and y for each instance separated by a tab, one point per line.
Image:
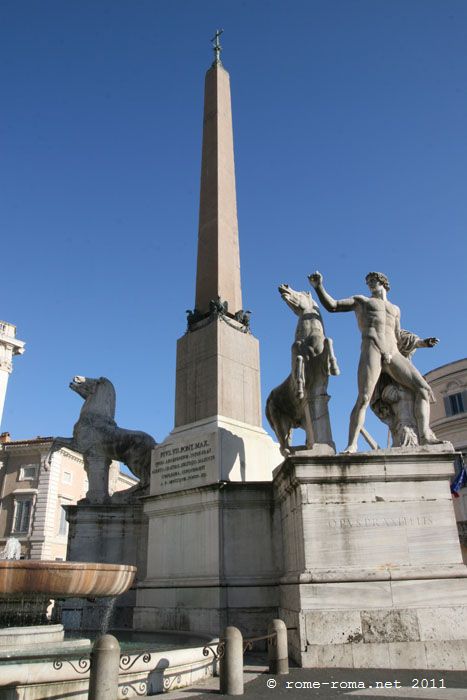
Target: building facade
33	492
449	422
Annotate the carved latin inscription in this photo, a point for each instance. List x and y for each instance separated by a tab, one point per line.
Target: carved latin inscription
401	521
180	465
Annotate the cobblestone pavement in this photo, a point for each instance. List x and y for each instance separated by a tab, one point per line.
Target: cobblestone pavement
348	684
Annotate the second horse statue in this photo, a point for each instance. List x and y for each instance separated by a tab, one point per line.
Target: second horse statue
301	401
99	439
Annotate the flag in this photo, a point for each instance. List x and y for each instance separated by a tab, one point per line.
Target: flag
460	480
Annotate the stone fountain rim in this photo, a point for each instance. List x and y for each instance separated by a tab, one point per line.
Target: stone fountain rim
20	579
51	564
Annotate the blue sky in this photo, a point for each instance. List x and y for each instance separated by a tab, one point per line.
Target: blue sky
351	155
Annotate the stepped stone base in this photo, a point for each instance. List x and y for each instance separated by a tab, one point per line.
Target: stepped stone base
373	567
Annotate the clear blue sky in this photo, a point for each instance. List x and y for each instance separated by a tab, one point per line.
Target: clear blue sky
351	155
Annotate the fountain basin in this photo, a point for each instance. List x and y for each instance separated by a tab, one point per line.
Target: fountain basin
172	660
63	579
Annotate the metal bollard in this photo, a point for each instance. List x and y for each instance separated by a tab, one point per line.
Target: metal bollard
231	666
278	653
105	661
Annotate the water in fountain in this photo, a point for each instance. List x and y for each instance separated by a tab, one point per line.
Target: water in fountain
109	609
21	611
11	550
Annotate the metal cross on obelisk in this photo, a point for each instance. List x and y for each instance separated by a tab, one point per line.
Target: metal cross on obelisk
217	48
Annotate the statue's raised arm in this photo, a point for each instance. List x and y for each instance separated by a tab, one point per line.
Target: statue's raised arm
329	303
427	342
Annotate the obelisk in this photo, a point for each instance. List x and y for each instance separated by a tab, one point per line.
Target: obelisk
218	434
218	270
211	478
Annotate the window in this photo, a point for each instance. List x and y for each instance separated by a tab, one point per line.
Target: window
67	477
22	515
63	527
455	404
28	471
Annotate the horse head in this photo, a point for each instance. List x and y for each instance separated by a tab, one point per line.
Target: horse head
98	394
299	302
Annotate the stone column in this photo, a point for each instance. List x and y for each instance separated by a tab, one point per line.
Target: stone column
9	346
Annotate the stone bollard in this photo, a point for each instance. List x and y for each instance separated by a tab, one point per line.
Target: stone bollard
105	662
278	653
231	666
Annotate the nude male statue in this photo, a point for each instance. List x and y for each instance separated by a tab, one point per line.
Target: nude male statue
379	322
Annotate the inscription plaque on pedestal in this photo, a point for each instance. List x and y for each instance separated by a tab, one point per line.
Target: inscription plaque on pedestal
184	463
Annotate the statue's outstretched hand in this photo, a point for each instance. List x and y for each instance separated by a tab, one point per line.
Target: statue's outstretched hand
316	279
431	342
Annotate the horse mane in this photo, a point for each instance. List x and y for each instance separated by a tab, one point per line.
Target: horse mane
102	399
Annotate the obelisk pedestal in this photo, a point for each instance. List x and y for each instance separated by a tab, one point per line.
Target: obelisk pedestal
373	573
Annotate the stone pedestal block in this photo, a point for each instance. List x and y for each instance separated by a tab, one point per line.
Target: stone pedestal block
218	374
115	533
373	573
212	560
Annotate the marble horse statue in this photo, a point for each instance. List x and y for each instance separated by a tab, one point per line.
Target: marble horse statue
99	439
301	401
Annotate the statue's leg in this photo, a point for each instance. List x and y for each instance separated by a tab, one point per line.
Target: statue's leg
97	469
329	349
284	435
281	425
283	430
369	369
403	371
298	370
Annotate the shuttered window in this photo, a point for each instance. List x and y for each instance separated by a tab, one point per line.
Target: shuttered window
455	403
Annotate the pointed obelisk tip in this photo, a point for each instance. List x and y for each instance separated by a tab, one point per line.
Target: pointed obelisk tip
217	48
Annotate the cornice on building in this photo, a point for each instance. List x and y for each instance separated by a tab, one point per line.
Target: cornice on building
455	370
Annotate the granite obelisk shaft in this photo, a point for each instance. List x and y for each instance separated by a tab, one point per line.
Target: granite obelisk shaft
218	270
